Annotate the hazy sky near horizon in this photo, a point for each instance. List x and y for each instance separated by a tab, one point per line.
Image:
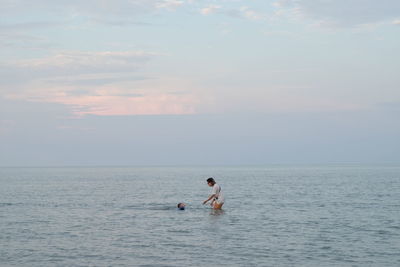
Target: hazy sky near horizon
133	82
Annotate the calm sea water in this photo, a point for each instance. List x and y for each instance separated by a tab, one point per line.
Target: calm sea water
273	216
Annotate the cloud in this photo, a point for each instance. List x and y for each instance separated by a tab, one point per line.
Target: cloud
251	14
89	62
74	65
95	79
113	12
169	4
245	12
135	104
209	10
119	22
10	27
339	13
100	83
396	22
18	35
14	39
104	8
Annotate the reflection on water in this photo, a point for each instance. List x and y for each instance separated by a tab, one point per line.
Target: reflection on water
214	212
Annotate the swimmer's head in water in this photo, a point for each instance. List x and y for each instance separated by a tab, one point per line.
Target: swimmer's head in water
181	206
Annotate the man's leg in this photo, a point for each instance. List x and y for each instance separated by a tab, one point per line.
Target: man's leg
217	205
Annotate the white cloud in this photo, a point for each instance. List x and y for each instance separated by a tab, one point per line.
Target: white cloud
101	83
243	12
14	39
92	8
76	63
169	4
210	9
396	22
70	71
27	15
251	14
27	26
340	13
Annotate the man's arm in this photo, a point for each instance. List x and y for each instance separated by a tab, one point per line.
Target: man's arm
211	197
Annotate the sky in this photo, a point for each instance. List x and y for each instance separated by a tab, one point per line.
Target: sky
199	82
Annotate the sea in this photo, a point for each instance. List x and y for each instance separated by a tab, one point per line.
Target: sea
272	216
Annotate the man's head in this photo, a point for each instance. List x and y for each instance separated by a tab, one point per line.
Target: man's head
181	206
210	181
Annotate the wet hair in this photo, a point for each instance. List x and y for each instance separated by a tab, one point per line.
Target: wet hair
181	206
211	180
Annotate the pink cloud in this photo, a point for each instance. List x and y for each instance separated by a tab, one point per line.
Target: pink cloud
209	10
100	83
155	104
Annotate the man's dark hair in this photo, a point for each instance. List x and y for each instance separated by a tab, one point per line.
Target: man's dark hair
211	180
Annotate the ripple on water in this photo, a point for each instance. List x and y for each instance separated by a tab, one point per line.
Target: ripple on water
316	216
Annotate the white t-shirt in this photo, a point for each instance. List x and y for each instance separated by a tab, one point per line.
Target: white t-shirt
217	191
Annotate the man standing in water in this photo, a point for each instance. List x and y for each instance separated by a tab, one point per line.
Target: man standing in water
216	195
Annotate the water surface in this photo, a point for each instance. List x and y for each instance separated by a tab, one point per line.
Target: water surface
273	216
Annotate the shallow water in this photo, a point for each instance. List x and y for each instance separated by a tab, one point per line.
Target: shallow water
273	216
